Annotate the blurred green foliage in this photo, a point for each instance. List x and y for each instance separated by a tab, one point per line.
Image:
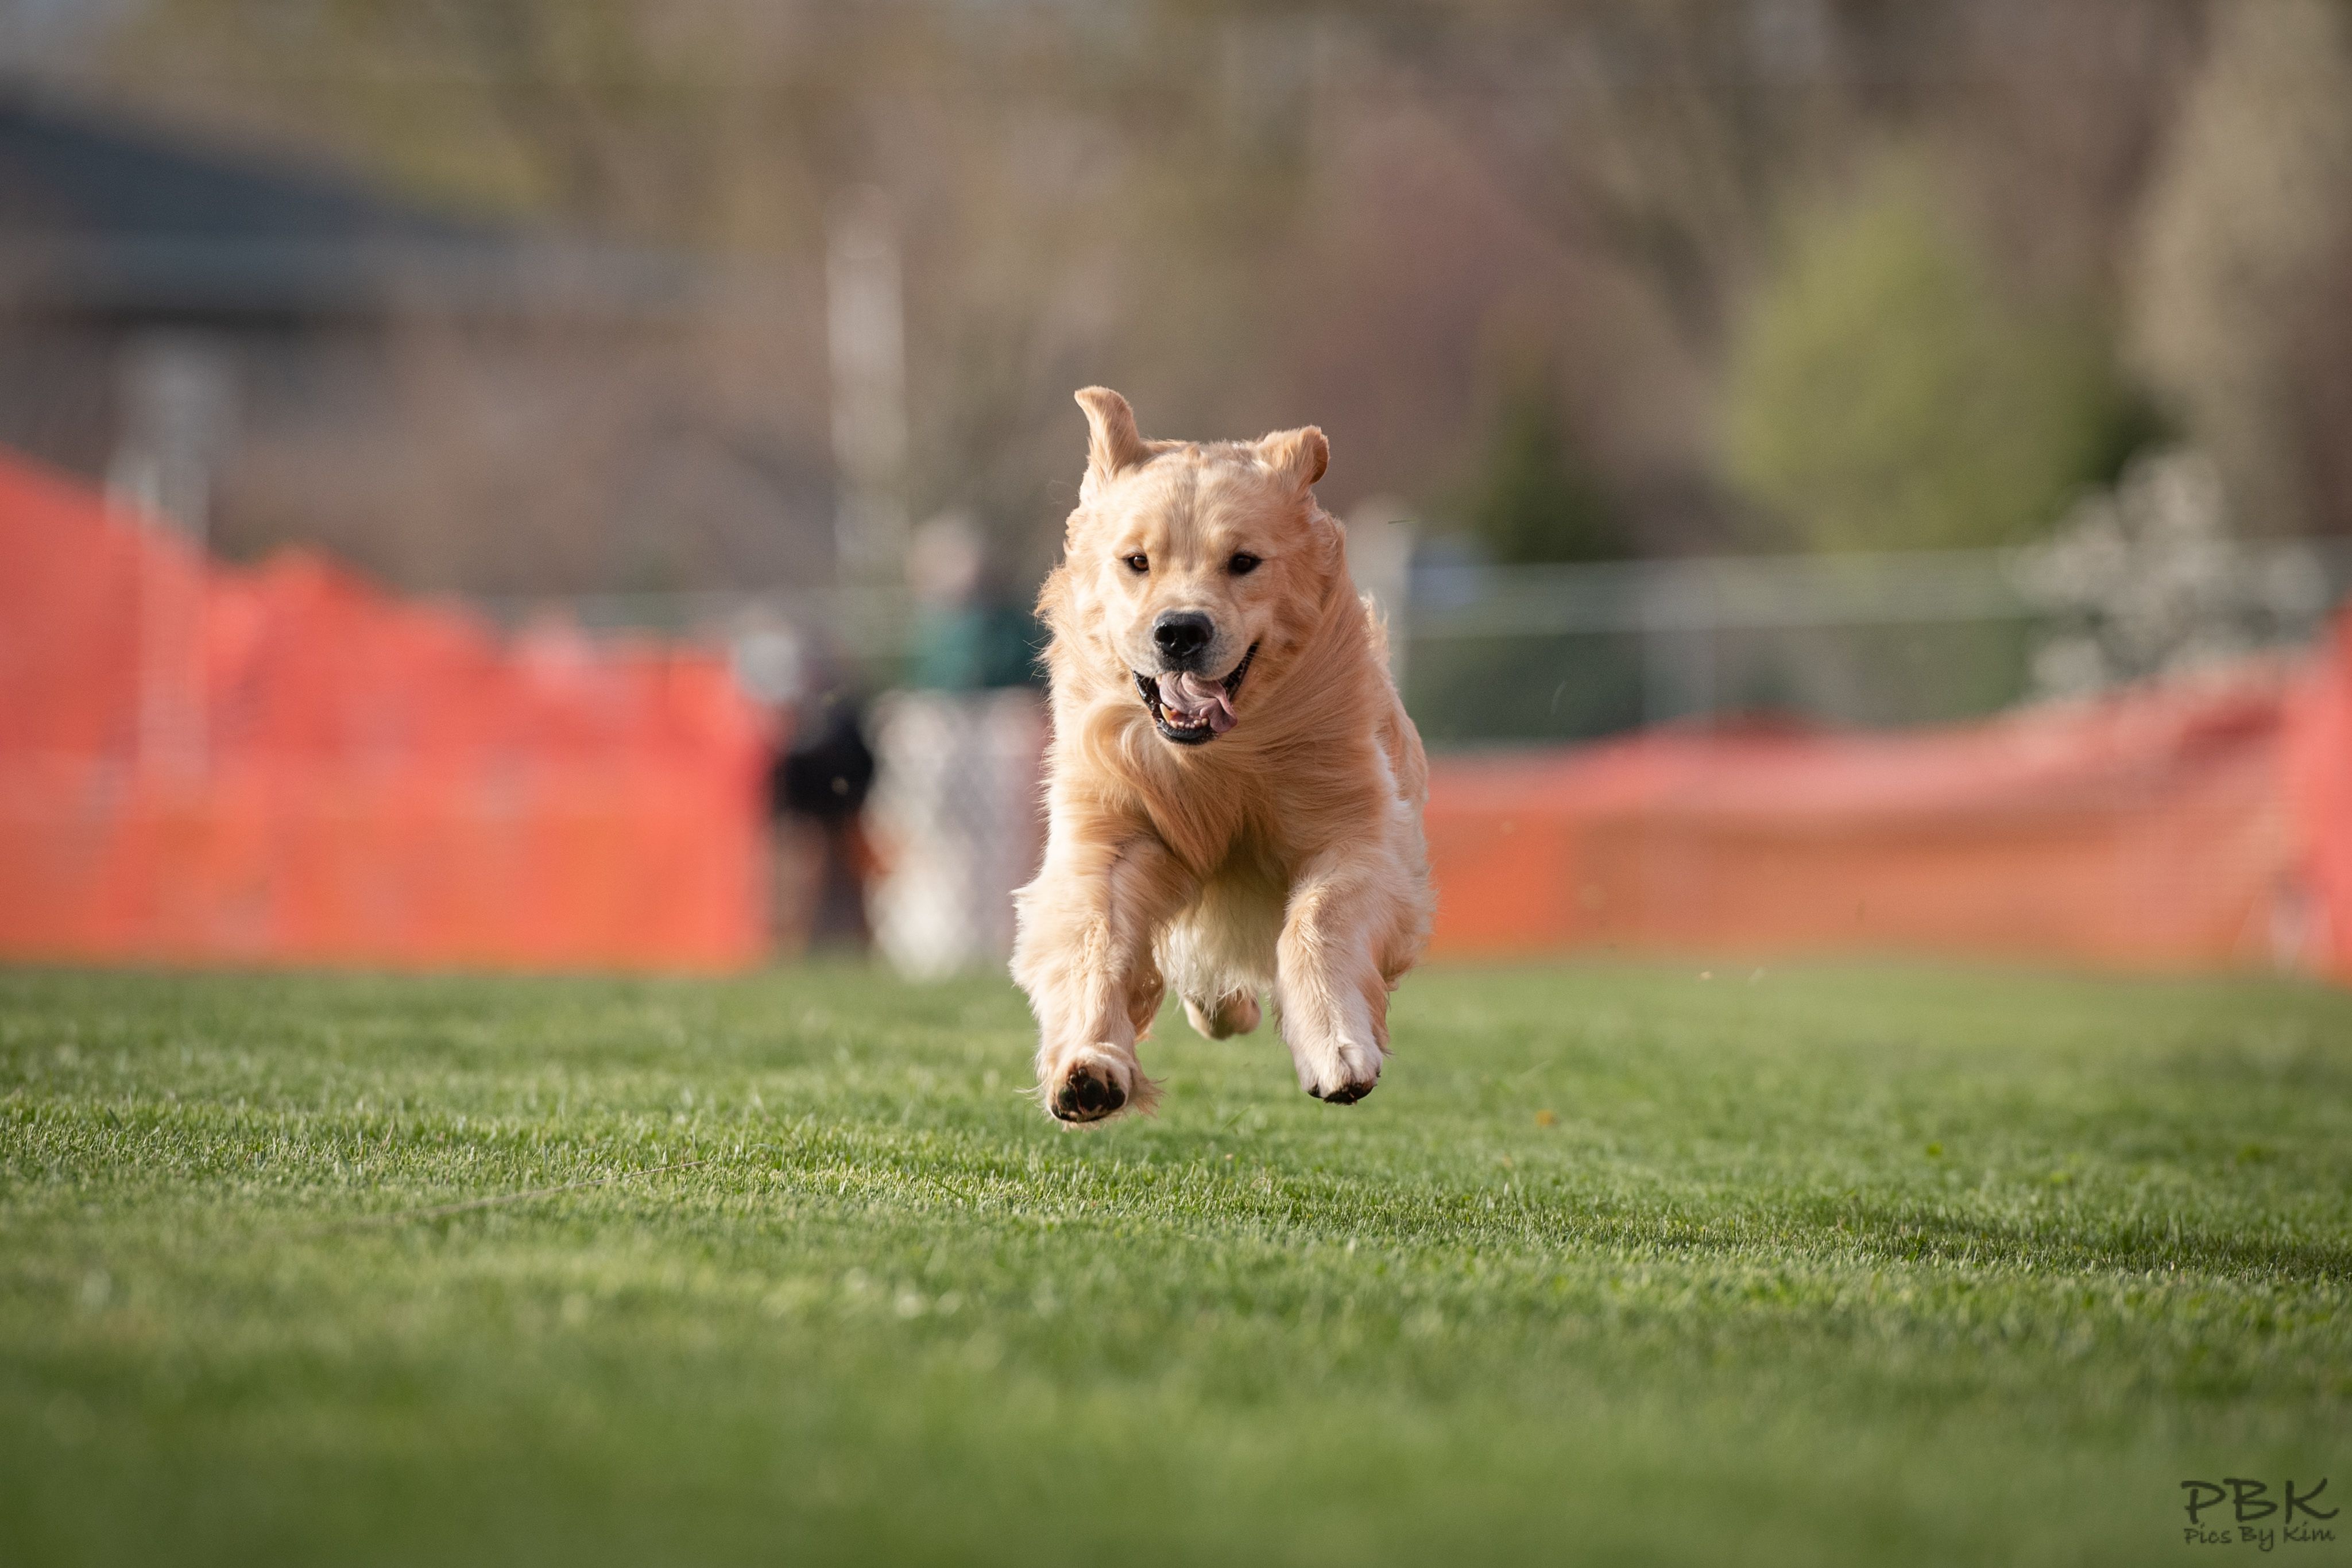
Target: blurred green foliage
1534	500
1885	394
1467	692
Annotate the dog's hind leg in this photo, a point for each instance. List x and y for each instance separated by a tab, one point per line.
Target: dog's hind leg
1229	1015
1219	954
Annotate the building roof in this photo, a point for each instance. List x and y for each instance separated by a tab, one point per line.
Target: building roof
105	216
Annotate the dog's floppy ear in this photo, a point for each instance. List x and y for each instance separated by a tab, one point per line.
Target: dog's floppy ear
1300	455
1112	445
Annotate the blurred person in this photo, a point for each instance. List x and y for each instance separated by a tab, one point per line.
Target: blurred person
817	792
968	635
960	752
818	780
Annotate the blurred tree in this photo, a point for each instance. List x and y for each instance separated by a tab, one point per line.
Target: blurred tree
1886	395
1244	214
2240	309
1534	501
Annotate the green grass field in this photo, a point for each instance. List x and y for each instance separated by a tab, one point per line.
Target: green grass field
1618	1265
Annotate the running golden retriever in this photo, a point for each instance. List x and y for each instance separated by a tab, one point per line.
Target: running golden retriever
1235	790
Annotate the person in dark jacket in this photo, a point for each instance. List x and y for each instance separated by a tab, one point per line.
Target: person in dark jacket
819	782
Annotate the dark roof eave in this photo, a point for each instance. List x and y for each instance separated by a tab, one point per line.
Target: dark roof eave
175	277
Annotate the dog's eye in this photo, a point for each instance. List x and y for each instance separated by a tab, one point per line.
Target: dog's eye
1139	564
1242	564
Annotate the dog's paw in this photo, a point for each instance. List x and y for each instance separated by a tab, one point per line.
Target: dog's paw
1092	1085
1222	1018
1343	1074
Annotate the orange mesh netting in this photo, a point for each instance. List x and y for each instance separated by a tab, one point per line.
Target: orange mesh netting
200	764
2319	783
2154	830
285	765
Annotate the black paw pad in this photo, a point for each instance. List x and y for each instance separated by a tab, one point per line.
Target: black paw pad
1085	1098
1346	1094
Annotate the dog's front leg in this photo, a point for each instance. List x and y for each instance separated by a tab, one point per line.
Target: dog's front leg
1329	986
1084	954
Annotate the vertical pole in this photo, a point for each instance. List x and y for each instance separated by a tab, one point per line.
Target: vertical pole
865	331
179	396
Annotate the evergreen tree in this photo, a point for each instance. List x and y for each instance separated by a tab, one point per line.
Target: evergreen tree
1534	502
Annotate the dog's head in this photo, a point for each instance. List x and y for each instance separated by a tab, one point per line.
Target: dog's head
1192	564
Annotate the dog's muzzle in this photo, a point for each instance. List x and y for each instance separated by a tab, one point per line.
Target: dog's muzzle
1186	725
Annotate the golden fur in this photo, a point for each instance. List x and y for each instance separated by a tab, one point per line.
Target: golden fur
1286	854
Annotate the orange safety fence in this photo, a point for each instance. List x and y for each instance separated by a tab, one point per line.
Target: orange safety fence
2318	758
201	764
2200	824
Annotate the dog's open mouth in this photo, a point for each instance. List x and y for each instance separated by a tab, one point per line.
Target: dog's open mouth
1190	710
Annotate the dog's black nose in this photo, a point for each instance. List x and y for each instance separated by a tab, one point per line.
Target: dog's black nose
1180	634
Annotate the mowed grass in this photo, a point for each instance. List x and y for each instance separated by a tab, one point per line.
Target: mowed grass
1617	1266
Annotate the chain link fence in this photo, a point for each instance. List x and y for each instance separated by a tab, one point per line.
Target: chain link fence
1551	654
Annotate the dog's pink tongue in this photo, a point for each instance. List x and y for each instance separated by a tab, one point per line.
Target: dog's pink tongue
1193	698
